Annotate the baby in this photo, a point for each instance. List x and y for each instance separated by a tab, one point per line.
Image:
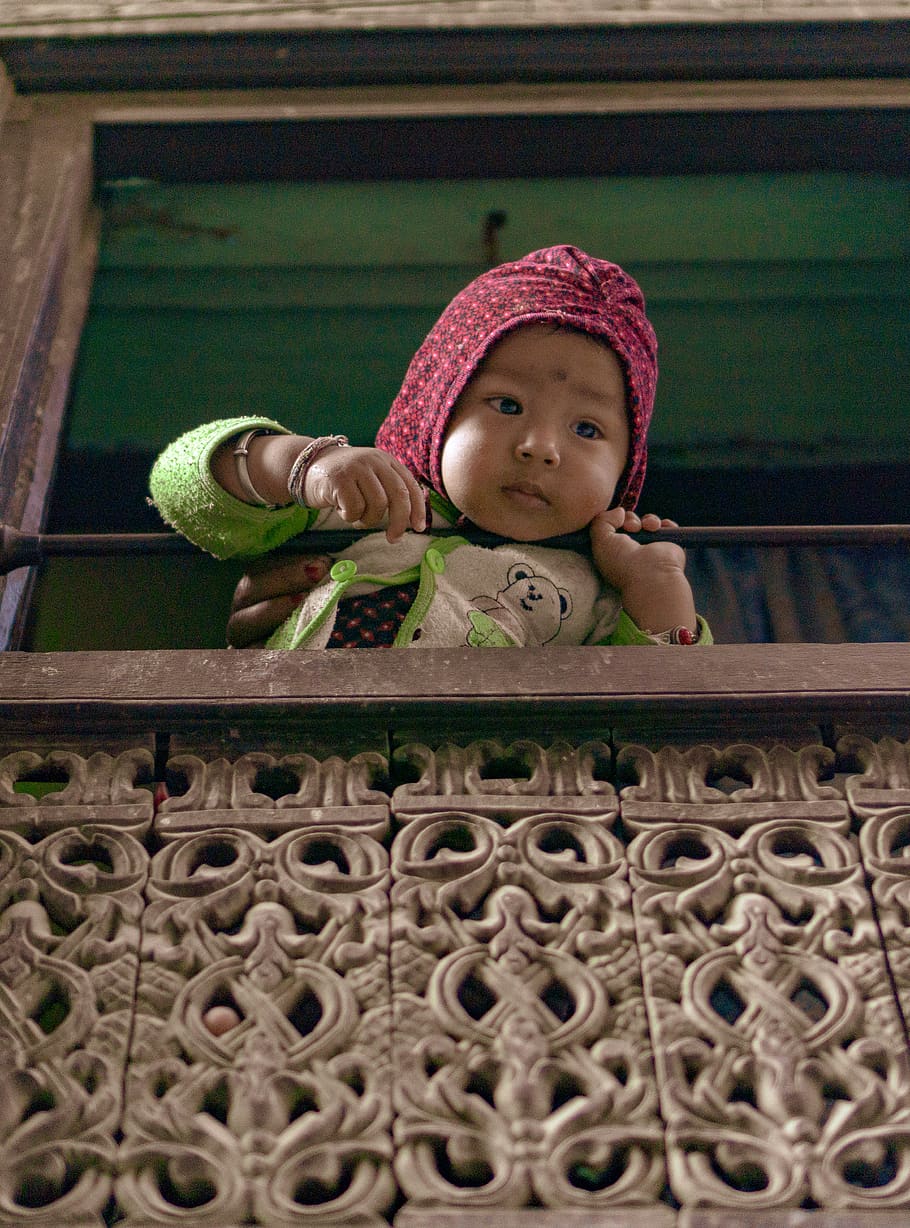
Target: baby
524	413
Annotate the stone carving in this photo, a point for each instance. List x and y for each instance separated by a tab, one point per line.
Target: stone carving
489	778
219	791
99	788
523	1073
686	785
780	1054
69	912
282	1116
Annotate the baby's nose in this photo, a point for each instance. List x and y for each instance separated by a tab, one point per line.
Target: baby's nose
539	445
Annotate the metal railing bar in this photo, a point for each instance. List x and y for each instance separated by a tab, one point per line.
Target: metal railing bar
26	550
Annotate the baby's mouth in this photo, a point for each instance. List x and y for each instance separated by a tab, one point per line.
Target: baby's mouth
527	493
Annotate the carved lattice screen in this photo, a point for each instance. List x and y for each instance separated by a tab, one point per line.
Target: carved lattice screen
508	982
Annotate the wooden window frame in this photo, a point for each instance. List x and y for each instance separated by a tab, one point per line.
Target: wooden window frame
50	235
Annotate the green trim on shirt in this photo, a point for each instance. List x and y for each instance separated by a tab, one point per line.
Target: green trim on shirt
427	590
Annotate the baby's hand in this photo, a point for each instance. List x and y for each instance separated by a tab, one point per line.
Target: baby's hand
366	486
650	578
631	522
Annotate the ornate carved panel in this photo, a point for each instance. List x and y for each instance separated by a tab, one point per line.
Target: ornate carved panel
780	1053
879	795
729	787
97	786
523	1072
600	1008
275	793
488	777
881	772
259	1081
70	904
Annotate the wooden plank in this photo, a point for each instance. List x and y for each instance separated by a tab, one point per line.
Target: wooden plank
6	94
50	409
575	97
786	1217
655	1216
107	17
48	242
45	182
444	690
625	44
870	140
748	671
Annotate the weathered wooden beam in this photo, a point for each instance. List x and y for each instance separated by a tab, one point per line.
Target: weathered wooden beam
360	45
48	246
6	94
537	691
407	100
110	17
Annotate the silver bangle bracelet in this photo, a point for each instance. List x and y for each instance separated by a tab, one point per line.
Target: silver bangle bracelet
241	453
297	476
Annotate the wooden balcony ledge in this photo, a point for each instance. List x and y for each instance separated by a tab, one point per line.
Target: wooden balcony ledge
522	939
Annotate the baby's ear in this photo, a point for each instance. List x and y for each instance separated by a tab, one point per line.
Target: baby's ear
565	604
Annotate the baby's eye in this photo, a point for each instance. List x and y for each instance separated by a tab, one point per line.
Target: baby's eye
587	430
506	405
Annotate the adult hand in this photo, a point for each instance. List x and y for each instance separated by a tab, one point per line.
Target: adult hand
269	593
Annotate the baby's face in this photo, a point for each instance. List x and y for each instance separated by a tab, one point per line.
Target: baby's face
539	437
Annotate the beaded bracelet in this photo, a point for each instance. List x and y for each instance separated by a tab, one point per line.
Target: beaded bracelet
297	476
241	453
677	635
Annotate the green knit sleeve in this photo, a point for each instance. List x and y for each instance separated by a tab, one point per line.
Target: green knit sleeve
191	501
626	632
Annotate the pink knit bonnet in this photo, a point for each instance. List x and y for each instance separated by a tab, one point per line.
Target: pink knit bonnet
559	285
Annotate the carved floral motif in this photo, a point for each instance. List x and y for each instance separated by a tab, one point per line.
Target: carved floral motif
728	788
523	1072
777	773
780	1054
284	1117
884	842
69	935
883	778
98	788
492	778
221	791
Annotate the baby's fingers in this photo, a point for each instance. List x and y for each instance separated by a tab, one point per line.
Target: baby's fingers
651	523
611	520
349	499
407	506
399	504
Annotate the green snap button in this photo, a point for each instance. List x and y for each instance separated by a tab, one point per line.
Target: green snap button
435	561
344	569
